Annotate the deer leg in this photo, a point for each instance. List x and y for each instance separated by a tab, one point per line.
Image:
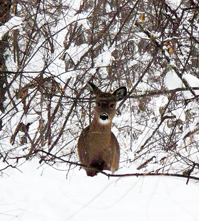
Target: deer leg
98	164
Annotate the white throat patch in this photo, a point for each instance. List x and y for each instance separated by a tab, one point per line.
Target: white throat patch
104	121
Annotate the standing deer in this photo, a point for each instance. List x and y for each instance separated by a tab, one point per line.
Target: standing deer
98	147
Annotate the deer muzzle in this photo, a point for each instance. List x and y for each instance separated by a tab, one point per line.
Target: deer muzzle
104	116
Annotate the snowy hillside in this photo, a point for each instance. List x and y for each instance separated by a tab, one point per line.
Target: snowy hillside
44	194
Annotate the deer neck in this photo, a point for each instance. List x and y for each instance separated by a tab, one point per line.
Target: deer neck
101	130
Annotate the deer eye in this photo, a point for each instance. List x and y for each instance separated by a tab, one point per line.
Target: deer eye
112	105
98	104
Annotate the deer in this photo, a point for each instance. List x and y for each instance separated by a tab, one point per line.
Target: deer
98	148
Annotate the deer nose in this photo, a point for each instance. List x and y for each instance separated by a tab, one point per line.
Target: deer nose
104	116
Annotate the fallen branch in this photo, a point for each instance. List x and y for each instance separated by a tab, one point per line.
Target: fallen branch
186	176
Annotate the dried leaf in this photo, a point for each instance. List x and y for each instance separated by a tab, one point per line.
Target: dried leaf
167	44
129	83
142	17
171	50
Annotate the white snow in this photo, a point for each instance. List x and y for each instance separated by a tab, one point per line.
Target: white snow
172	81
76	52
193	82
44	194
174	3
12	24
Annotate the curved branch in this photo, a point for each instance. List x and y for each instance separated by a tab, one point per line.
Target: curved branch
186	176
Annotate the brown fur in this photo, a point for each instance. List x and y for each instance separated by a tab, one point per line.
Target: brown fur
98	147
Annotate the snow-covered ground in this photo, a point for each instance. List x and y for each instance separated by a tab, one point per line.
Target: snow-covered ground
44	194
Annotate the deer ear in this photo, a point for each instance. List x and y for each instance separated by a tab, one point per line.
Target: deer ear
94	89
120	93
